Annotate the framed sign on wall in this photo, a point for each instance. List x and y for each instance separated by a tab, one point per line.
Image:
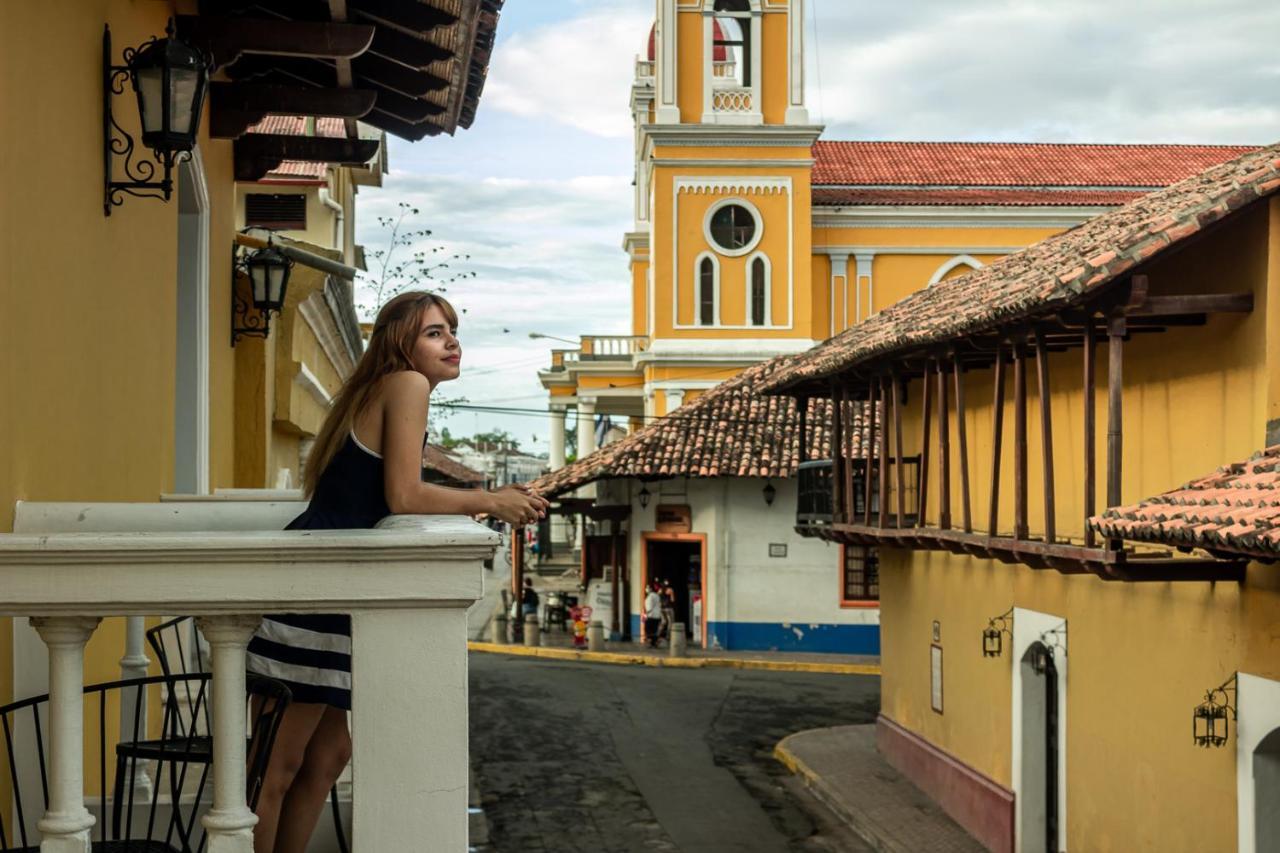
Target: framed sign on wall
935	677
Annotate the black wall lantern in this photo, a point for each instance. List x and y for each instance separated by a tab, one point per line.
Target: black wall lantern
1209	720
769	493
169	78
643	496
268	273
993	634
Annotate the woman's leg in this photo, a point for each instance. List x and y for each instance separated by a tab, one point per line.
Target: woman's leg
327	756
296	728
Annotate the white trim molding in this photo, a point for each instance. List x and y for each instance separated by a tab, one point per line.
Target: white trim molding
1257	715
722	349
959	260
863	272
667	111
797	112
755	237
1030	627
839	269
946	216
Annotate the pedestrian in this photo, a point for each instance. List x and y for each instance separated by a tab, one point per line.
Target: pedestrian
528	599
365	464
652	614
668	609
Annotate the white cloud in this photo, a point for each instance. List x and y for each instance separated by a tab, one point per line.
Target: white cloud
576	71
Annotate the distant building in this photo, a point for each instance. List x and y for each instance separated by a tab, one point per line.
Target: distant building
500	466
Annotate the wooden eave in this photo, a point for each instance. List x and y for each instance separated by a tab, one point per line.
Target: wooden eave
256	154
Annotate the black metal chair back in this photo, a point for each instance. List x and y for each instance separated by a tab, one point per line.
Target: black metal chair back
127	820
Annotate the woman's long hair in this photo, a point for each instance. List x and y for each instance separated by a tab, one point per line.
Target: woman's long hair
390	349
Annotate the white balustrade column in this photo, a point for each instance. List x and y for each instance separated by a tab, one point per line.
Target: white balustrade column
229	823
66	823
133	702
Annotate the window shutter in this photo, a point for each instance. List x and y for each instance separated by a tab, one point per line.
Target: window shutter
281	211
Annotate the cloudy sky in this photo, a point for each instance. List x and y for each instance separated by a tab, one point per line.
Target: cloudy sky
537	193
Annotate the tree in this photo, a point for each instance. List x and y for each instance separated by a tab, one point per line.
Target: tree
404	263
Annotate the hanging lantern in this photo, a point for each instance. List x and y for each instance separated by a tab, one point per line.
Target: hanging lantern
170	78
643	496
769	493
268	277
1210	721
991	643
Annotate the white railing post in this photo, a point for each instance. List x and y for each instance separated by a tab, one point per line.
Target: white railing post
133	702
229	823
66	822
409	729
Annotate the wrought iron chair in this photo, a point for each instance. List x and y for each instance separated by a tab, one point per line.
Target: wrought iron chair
119	827
178	649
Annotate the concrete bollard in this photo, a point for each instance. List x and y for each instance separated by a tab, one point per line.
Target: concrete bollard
531	631
498	628
595	637
678	641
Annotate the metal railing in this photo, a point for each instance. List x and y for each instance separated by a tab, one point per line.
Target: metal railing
815	482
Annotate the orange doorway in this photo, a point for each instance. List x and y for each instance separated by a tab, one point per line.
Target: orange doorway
681	559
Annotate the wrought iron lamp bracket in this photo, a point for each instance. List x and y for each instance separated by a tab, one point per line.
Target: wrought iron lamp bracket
997	627
246	319
1220	703
144	178
1055	639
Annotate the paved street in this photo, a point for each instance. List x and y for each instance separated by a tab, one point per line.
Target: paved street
593	758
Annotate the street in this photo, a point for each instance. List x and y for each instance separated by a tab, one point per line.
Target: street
597	758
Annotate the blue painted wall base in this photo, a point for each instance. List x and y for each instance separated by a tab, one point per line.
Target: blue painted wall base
777	637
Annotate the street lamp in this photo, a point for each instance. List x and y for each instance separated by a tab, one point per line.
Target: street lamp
539	335
169	78
268	272
643	496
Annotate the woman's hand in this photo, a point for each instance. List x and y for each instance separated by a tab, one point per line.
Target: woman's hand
518	506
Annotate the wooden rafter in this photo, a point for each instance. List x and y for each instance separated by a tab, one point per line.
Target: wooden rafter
256	154
235	107
227	38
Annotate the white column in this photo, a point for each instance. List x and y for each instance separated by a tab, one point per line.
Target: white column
839	284
409	720
675	399
559	530
797	113
134	664
66	823
229	823
668	109
867	306
586	437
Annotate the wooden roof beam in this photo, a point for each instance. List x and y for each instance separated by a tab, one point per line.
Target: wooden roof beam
405	130
376	71
235	107
227	38
415	17
256	154
412	51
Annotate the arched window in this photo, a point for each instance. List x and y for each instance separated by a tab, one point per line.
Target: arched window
759	297
957	266
707	291
731	42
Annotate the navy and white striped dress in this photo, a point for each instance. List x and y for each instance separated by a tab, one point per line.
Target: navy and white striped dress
311	652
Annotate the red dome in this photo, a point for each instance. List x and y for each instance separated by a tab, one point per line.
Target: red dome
721	55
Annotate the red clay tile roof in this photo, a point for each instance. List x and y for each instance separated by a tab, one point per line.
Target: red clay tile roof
1046	276
911	197
436	458
296	126
1011	164
729	431
1235	510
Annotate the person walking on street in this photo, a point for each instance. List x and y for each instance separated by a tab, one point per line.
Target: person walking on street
652	614
668	610
528	599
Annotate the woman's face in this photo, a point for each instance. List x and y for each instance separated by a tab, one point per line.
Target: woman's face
437	354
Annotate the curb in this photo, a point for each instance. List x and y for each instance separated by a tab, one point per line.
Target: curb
634	659
813	782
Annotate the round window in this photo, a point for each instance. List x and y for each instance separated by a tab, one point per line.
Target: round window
733	227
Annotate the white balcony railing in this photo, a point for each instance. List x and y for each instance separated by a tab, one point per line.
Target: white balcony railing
612	347
406	584
732	99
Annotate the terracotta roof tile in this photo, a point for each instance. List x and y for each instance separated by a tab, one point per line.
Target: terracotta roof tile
730	430
296	126
436	458
1010	164
1046	276
1235	510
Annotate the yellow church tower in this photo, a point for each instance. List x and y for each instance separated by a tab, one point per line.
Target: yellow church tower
720	254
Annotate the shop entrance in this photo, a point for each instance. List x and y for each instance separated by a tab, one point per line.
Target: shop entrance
678	559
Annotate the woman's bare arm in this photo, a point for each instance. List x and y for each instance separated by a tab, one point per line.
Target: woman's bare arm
405	405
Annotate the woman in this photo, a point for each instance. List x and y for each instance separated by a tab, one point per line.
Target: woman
366	463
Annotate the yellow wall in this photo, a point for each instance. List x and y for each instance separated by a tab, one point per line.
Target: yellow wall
640	297
1140	655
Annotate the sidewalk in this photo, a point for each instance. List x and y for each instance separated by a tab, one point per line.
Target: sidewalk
843	769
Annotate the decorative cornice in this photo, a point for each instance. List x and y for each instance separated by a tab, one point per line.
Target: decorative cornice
946	216
734	185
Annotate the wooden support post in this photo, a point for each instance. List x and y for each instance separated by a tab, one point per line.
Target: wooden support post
897	443
1090	434
922	493
963	449
883	455
997	432
944	450
837	452
868	450
1019	441
1115	407
850	456
1046	436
